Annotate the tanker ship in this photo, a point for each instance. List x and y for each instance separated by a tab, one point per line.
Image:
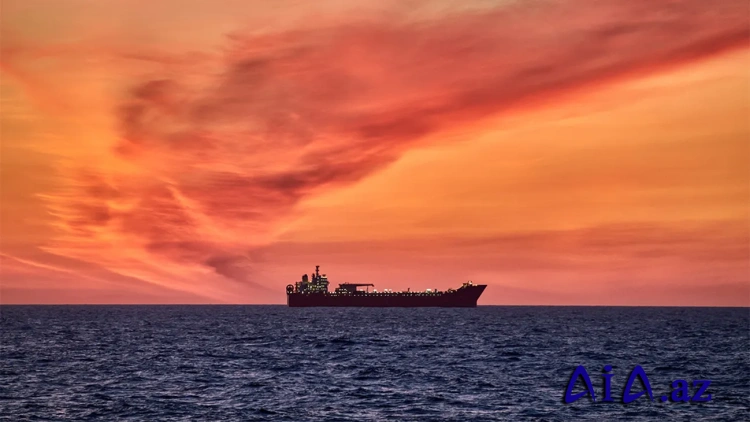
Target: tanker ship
313	293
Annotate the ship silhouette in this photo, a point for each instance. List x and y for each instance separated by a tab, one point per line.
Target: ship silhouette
314	293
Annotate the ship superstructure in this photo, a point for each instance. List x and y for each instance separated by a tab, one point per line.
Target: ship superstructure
314	291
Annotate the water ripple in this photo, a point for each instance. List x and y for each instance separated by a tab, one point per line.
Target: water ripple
276	363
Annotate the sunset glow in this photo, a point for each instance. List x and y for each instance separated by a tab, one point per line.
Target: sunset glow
561	152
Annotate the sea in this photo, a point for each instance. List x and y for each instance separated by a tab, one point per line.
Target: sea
273	363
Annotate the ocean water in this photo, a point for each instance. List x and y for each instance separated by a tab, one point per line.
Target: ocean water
275	363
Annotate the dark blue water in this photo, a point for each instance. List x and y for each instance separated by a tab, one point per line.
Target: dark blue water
276	363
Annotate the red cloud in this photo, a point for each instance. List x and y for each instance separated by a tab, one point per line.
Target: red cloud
294	112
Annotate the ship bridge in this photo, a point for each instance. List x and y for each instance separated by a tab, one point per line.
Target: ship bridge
318	284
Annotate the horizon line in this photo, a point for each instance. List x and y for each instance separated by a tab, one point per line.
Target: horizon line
360	307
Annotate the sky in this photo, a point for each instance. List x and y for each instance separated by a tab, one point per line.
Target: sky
562	152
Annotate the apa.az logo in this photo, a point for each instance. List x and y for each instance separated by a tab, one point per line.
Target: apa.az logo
680	390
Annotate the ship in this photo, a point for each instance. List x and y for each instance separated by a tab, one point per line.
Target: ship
315	293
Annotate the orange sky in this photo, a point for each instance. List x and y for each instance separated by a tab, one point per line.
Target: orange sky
562	152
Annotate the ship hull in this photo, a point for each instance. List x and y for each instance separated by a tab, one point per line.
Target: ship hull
462	298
